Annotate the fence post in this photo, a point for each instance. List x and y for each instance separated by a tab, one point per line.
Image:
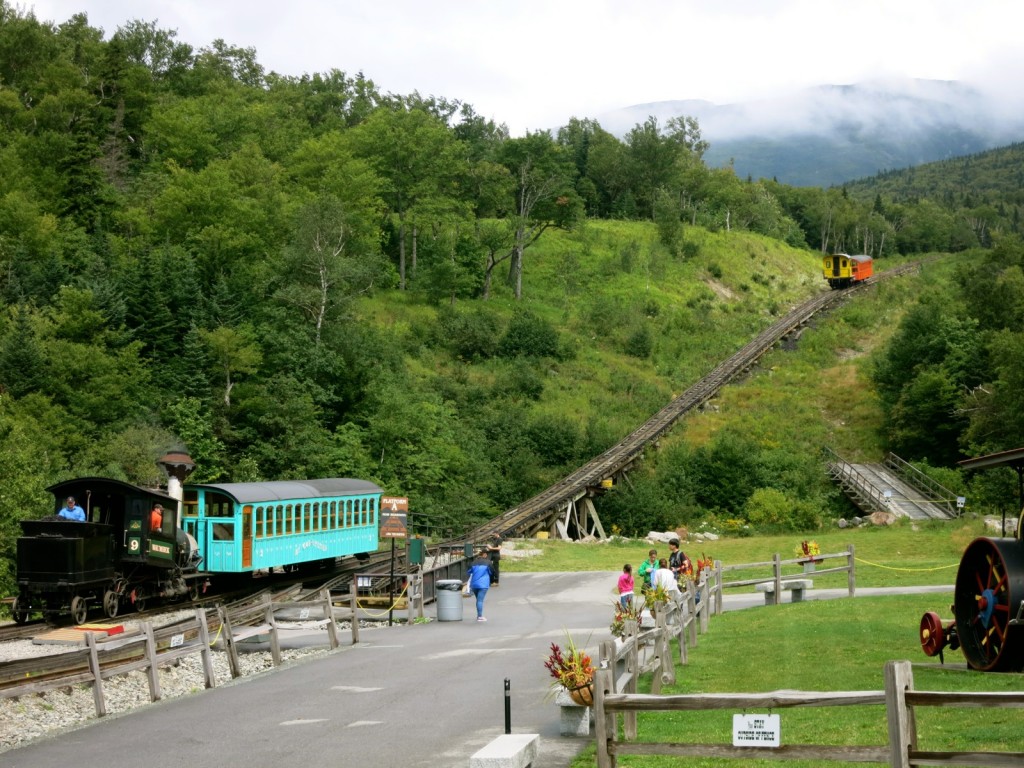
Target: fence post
207	652
667	673
692	607
153	671
275	640
902	728
718	588
415	582
332	627
777	571
685	616
604	723
97	675
851	562
705	599
229	642
353	596
633	667
606	655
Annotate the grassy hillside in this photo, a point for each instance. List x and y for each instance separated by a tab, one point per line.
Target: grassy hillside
636	326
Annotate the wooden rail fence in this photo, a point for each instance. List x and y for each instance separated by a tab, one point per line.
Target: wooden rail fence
650	650
779	580
899	699
151	648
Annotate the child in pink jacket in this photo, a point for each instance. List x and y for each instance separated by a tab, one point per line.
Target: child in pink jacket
626	586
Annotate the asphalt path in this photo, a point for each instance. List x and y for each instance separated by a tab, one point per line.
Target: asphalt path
420	695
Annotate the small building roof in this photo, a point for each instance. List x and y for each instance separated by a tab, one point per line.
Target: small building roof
1014	458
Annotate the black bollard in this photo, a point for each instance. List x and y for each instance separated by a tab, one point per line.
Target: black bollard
508	707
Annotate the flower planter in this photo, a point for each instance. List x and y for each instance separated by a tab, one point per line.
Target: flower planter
583	695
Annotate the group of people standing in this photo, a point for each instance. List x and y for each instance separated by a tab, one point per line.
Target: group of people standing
654	572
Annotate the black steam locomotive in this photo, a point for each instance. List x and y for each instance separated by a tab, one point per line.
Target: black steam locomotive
115	558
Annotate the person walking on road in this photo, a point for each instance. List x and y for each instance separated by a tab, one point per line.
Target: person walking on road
494	550
479	580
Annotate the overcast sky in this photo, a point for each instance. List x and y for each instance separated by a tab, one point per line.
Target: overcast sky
533	64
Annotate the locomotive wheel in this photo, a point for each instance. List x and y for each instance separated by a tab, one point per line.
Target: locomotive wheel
79	609
193	591
933	638
111	602
20	609
989	591
140	604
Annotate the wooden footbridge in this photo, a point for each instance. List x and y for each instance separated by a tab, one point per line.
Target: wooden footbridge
893	486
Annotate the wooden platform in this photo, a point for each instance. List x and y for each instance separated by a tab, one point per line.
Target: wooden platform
76	635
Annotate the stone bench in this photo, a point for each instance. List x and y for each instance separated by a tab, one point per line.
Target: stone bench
574	719
796	587
510	750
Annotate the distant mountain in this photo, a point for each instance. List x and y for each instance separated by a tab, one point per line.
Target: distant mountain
829	134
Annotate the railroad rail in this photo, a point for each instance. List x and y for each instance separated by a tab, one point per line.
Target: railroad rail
544	511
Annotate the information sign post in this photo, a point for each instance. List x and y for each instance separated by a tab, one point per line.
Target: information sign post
394	511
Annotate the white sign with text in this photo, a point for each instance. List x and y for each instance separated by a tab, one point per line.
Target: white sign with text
756	730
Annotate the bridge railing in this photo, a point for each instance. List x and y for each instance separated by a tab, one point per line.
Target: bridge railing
856	484
936	493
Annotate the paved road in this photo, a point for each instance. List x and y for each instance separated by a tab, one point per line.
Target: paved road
422	695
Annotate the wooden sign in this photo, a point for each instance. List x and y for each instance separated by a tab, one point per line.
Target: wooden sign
393	513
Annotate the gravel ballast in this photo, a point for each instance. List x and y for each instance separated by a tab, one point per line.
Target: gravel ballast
27	718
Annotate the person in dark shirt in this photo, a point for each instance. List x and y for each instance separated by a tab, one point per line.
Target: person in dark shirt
494	550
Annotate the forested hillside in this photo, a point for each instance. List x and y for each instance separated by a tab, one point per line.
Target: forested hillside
304	276
987	187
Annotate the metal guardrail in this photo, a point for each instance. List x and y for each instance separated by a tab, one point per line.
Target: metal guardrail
934	491
857	485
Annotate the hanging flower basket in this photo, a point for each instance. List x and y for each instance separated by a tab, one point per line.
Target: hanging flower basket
583	695
572	670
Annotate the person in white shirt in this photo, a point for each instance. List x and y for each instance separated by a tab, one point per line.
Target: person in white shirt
666	579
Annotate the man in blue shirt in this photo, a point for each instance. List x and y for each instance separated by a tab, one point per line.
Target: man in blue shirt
72	511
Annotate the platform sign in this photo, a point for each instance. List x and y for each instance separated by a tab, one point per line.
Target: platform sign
961	501
393	513
756	730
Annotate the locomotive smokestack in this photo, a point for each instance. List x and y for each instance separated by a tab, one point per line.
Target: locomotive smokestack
177	466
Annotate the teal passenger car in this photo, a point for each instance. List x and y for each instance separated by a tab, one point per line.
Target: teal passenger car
246	527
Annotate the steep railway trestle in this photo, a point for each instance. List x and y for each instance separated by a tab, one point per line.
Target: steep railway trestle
566	509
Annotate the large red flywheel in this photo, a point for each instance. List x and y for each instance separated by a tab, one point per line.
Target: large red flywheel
987	603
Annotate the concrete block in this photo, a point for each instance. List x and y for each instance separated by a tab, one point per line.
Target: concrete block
510	750
574	719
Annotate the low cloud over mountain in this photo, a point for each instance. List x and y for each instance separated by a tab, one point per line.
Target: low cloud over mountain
833	133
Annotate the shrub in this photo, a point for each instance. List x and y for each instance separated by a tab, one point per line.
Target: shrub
469	335
640	344
529	336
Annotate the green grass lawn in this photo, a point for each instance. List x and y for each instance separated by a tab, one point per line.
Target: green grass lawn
901	554
833	645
